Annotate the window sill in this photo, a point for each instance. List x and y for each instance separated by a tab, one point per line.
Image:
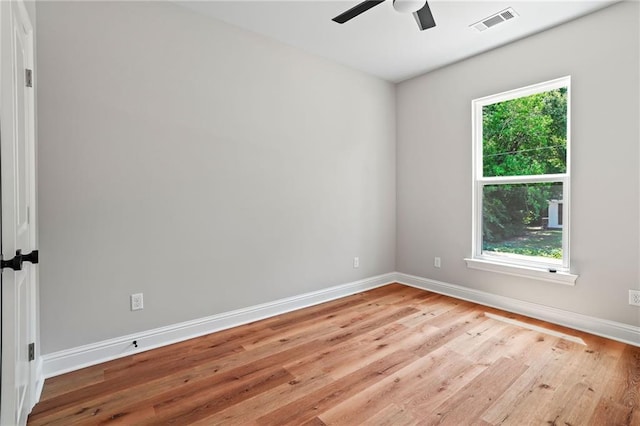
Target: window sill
565	278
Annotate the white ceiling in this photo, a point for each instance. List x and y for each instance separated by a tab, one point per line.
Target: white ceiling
386	43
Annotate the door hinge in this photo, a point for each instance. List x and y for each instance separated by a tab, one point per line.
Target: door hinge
32	351
28	77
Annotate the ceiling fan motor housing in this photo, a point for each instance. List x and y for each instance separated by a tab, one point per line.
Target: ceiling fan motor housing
419	8
408	6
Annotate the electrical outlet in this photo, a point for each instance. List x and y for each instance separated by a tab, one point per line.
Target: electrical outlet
356	262
137	302
436	262
634	297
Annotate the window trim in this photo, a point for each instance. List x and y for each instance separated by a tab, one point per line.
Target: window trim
559	277
544	270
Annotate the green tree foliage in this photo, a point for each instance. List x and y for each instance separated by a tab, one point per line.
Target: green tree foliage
521	137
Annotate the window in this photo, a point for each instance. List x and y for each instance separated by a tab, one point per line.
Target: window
521	173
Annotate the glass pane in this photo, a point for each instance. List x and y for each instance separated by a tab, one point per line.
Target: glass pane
526	136
523	220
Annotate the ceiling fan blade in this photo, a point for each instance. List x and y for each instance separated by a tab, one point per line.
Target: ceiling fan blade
424	18
356	10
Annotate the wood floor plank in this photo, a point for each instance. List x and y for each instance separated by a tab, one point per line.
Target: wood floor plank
629	394
467	343
394	355
522	392
479	394
340	360
398	386
169	404
60	385
557	384
245	412
113	393
316	402
580	381
589	388
620	403
612	413
391	415
334	362
199	405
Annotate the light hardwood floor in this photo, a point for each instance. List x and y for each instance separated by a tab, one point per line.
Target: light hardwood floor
390	356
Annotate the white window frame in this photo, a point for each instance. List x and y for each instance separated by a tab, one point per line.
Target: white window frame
525	266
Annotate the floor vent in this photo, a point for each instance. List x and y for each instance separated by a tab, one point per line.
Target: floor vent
494	20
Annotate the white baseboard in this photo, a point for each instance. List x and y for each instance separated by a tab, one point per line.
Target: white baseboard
83	356
610	329
73	359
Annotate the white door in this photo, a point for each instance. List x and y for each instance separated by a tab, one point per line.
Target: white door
17	214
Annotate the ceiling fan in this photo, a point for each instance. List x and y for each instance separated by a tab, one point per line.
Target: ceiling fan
419	8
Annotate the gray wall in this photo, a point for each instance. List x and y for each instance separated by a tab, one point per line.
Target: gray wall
207	167
601	53
213	169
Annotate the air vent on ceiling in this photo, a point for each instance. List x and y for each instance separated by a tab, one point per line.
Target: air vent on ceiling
496	19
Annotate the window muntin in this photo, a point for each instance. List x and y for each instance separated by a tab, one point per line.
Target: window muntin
521	173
